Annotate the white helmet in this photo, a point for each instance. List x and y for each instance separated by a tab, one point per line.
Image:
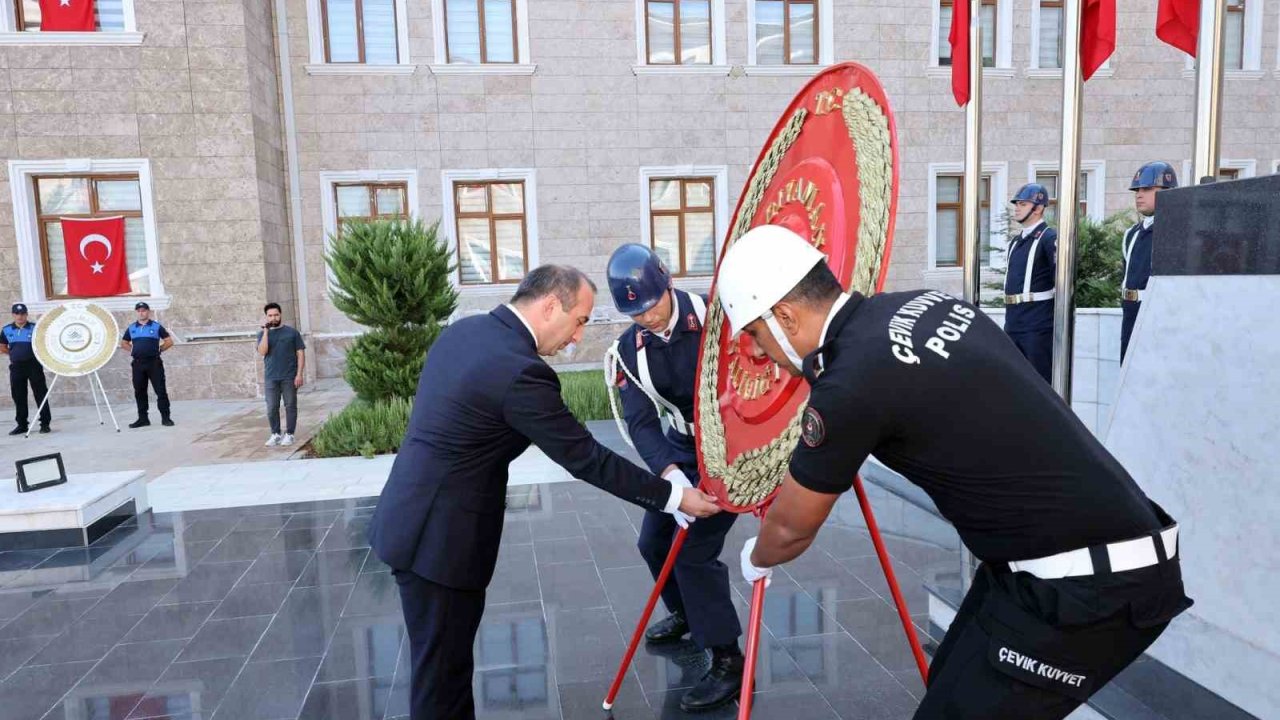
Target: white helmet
759	270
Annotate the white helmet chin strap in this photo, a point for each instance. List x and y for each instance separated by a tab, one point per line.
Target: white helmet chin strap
782	340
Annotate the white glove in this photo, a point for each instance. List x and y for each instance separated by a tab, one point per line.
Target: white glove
679	481
751	572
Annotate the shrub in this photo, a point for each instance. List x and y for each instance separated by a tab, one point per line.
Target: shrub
386	362
363	428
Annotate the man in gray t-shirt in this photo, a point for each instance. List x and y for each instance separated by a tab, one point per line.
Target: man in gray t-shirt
281	349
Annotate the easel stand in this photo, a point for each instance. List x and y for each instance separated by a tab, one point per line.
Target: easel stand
757	611
92	391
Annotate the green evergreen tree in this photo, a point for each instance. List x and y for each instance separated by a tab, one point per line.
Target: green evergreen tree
391	276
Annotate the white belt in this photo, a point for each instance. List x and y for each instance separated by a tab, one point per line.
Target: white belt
1124	555
1030	297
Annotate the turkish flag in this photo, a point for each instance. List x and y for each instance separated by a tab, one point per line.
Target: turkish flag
67	15
1097	35
959	39
95	257
1178	23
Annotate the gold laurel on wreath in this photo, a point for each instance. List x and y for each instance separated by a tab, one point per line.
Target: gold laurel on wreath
757	472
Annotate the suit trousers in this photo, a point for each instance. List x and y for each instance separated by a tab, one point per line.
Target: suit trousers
698	587
442	623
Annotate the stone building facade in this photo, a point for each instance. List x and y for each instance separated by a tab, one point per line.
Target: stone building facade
254	126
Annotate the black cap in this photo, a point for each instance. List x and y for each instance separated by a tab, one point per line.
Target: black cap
141	306
18	308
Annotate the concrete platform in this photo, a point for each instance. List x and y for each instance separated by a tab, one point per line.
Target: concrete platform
74	514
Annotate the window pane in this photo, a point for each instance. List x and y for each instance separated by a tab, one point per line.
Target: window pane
508	198
353	201
1050	37
984	190
110	15
473	244
666	240
63	195
944	35
664	194
769	45
390	200
695	32
984	235
949	189
1050	183
463	30
57	257
699	243
499	40
802	27
697	194
119	195
135	241
1233	52
380	32
343	45
510	249
472	198
948	231
988	35
662	34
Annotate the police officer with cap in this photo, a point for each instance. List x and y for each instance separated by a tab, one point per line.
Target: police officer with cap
24	369
1079	570
1149	180
145	340
654	364
1029	280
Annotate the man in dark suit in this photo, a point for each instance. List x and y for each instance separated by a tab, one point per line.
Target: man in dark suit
483	397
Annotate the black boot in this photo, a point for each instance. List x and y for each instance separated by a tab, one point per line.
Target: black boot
668	630
18	430
722	683
44	429
165	421
140	422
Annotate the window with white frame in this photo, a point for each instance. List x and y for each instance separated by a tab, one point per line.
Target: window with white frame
46	191
491	215
789	34
363	195
1091	190
996	28
684	216
1047	34
680	34
74	22
481	36
358	36
1228	169
1242	38
946	215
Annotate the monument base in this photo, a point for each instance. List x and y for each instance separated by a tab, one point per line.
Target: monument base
74	514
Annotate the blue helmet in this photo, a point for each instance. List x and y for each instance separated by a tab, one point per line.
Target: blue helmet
1034	193
1154	174
637	278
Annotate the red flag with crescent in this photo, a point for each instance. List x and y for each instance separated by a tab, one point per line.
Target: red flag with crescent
829	173
95	257
67	16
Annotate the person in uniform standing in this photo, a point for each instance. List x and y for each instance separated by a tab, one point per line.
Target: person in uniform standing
1149	180
1029	280
145	339
656	375
24	369
438	523
1080	570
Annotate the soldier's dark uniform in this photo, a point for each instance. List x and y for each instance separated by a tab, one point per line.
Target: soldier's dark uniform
1079	568
1029	295
1137	248
148	367
24	370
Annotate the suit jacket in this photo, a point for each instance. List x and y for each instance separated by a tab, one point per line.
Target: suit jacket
483	397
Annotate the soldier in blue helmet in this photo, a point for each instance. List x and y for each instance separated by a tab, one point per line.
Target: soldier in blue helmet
1149	180
654	365
1029	279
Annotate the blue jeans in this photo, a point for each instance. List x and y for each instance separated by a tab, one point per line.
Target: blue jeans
276	389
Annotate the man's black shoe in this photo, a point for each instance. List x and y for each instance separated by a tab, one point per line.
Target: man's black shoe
140	422
668	630
165	421
18	430
720	686
44	429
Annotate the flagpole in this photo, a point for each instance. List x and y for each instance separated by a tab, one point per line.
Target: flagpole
971	218
1068	198
1209	71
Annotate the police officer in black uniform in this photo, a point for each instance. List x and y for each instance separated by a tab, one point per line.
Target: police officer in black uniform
24	369
1080	569
145	340
1149	180
655	366
1029	280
